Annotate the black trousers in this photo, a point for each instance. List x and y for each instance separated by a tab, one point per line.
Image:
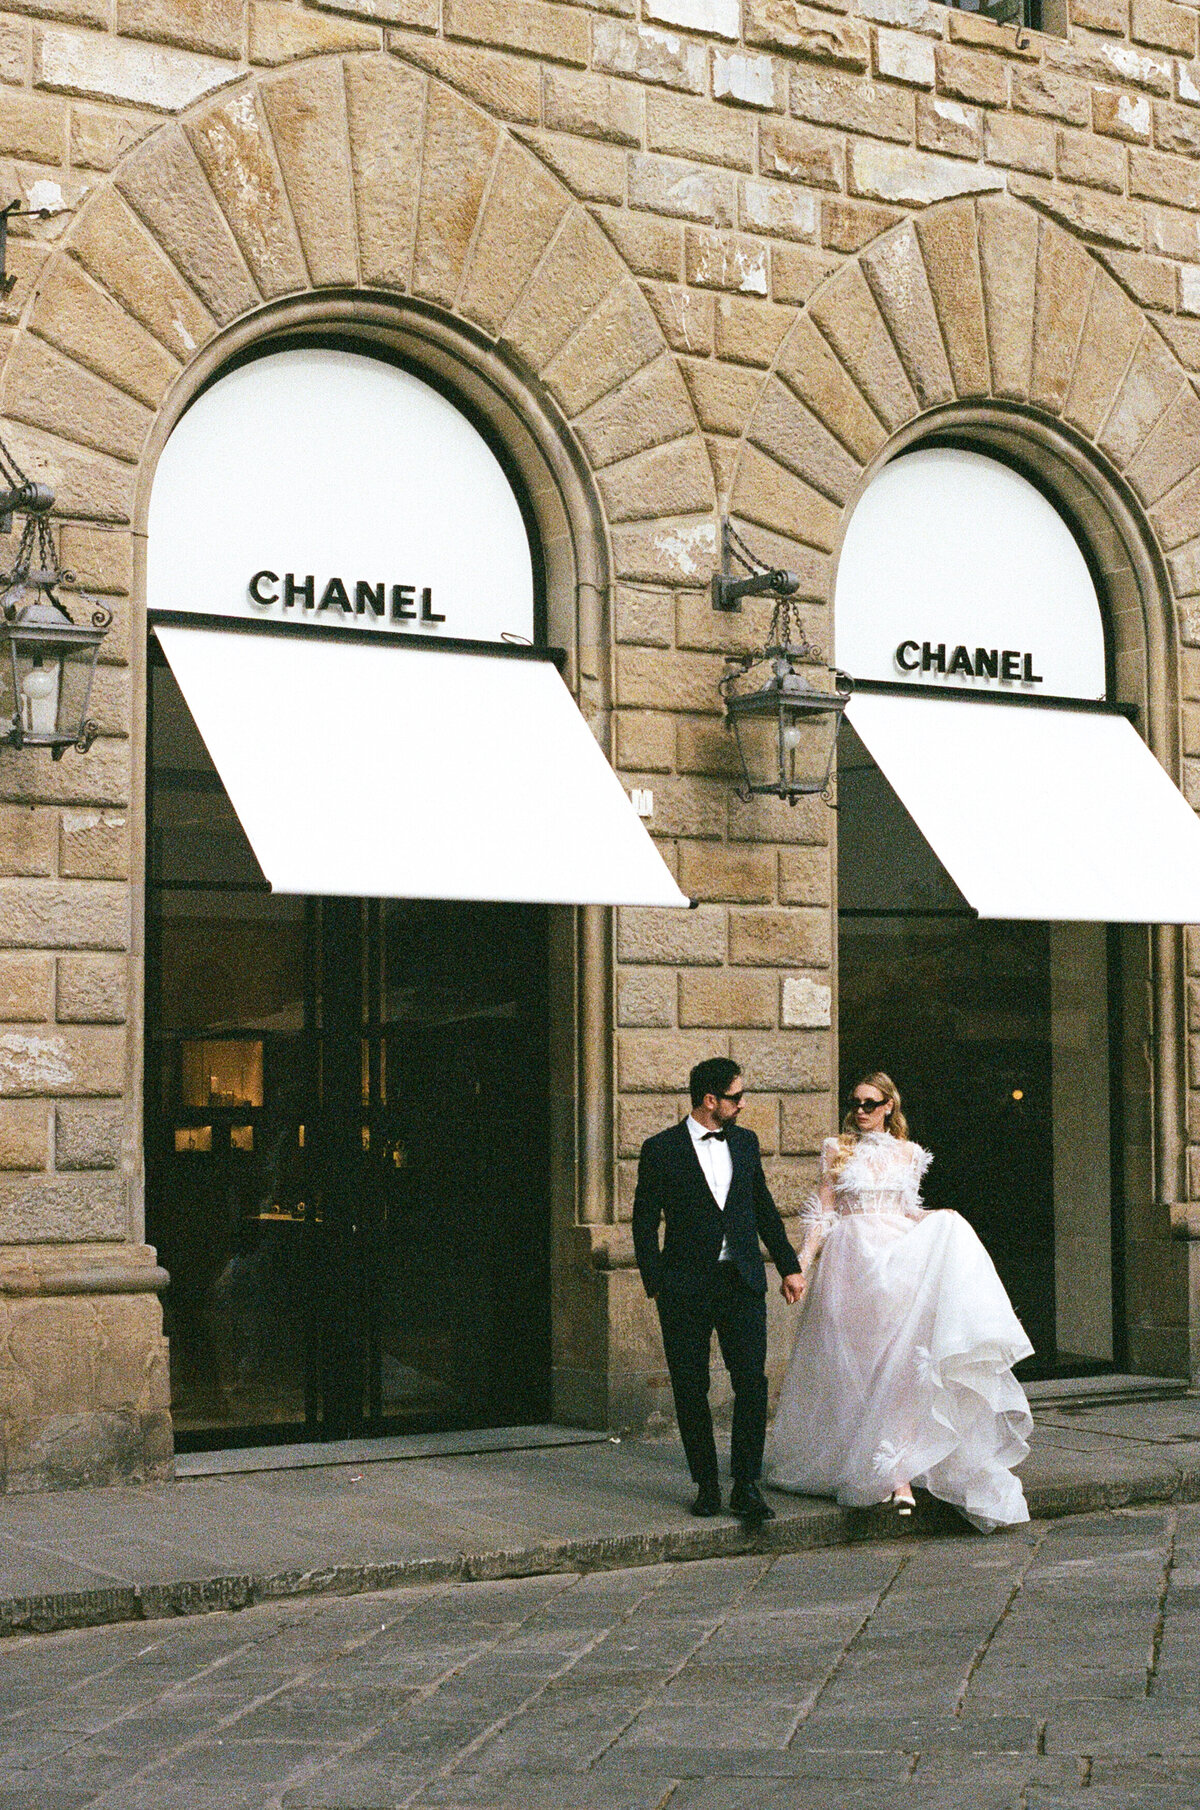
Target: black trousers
689	1313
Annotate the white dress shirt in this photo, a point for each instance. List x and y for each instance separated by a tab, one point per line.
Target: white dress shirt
716	1160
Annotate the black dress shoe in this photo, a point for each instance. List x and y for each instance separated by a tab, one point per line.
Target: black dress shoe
748	1503
708	1502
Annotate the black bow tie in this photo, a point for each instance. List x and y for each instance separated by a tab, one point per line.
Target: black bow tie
705	1135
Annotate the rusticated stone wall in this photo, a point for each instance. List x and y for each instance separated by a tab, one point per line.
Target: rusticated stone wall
736	249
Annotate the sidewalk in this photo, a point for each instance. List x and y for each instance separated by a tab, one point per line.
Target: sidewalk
539	1500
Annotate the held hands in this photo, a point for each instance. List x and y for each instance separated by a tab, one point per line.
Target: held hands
792	1288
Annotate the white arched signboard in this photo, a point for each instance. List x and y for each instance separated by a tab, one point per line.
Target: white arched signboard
320	486
957	576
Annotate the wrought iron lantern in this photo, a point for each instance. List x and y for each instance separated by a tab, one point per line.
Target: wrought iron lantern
787	726
52	658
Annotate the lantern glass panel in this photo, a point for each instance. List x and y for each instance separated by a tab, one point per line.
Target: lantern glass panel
758	745
808	743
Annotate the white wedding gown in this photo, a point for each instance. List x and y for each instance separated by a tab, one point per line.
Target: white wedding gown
902	1366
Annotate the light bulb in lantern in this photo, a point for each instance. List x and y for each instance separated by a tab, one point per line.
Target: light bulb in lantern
792	736
39	698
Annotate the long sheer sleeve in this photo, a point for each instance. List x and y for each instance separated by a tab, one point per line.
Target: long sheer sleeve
819	1210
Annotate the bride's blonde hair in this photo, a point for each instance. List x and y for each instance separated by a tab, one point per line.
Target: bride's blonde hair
895	1122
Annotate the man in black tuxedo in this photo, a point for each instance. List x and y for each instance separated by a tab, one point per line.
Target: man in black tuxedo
703	1180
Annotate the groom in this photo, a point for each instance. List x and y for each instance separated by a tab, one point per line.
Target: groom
703	1181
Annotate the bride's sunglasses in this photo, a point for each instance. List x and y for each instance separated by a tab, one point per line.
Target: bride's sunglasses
860	1105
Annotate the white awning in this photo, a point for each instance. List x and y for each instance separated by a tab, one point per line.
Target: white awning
1040	813
378	771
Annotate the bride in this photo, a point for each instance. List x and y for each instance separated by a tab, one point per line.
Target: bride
901	1371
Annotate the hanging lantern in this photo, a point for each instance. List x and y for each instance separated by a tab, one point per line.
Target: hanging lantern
52	658
787	727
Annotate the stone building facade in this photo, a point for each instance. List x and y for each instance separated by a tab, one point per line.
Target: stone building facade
689	257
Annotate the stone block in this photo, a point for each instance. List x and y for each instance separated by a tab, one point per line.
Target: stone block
806	1004
752	81
382	101
804	876
1064	280
1012	41
1120	114
592	106
716	998
644	618
1008	261
699	626
1151	281
908	15
900	56
645	741
93	845
648	246
14	50
799	441
164	184
24	1134
810	370
1169	453
949	127
100	136
33	126
771	820
460	144
797	153
589	171
502	261
535	27
687	804
968	75
75	315
102	779
115	69
279	33
87	1137
846	226
1150	385
1052	95
876	109
307	117
778	209
78	1062
898	174
849	319
214	25
1176	129
648	409
796	270
575	275
507	87
1092	216
768	494
50	391
114	247
796	938
813	35
92	989
684	191
659	1062
1164	26
675	479
644	1115
805	1120
1019	143
50	914
620	339
949	245
85	483
704	745
750	331
686	126
684	939
25	989
1172	235
1097	163
714	18
785	1061
27	842
1170	179
56	1209
718	871
895	272
665	552
726	261
687	319
1102	15
619	47
646	998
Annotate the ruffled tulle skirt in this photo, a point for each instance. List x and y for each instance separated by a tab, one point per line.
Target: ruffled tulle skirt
902	1368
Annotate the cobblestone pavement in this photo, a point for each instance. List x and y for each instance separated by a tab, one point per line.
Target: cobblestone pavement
1056	1665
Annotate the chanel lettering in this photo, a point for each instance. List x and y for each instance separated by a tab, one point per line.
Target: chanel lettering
1007	664
394	603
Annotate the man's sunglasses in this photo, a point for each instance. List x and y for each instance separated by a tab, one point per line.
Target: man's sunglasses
735	1099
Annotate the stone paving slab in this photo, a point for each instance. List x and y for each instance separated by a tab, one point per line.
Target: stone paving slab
80	1558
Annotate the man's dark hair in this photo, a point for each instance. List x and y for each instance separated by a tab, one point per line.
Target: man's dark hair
712	1076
